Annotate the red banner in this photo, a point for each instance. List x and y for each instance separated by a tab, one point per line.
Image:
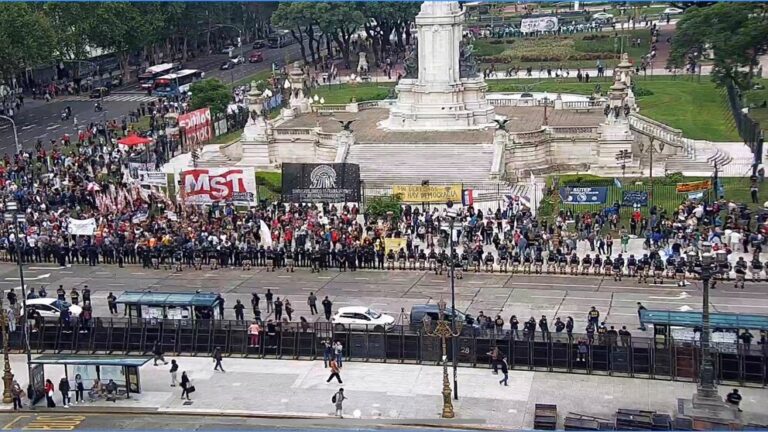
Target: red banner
209	185
197	127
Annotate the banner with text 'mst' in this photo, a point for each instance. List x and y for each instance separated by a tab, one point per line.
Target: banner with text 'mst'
197	126
218	185
428	194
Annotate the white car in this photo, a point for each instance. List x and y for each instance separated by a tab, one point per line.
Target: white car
50	307
238	60
228	49
672	11
361	318
602	16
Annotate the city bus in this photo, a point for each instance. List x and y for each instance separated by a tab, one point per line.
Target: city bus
152	73
176	83
280	38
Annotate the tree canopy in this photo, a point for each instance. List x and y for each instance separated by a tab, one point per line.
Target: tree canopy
737	33
211	93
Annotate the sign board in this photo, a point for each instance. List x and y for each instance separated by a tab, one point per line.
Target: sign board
38	382
205	186
334	182
395	244
197	126
541	24
634	198
428	194
81	226
693	186
583	195
153	178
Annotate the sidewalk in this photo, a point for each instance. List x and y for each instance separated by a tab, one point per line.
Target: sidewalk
387	392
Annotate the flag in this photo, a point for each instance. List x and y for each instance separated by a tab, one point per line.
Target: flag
617	182
467	197
533	178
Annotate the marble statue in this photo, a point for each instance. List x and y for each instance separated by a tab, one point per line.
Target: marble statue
362	63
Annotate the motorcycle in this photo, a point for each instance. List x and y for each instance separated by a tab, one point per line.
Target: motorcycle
97	107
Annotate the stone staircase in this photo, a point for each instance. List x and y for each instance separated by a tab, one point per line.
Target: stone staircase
386	164
214	158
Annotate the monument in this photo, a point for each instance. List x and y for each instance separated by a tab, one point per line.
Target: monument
256	134
441	90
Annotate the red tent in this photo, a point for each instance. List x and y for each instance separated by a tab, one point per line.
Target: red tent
133	141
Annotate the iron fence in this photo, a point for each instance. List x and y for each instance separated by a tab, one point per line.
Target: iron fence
639	357
749	130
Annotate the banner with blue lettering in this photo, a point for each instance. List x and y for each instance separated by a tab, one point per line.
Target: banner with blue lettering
583	195
634	198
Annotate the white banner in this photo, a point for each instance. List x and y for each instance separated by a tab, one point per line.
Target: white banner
542	24
153	178
223	185
81	227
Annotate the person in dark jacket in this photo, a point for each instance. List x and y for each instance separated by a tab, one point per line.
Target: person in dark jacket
185	385
157	351
217	359
64	389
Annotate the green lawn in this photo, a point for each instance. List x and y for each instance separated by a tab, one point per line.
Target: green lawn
228	137
343	94
755	99
580	50
270	183
698	109
258	76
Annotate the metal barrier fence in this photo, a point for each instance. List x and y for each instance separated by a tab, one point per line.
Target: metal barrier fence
660	358
749	130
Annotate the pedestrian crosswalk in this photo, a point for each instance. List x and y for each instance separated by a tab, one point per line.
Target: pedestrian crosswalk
110	98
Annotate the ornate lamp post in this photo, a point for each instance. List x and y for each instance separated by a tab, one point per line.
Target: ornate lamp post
7	375
450	214
443	331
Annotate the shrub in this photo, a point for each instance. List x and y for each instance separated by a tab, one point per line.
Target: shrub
642	91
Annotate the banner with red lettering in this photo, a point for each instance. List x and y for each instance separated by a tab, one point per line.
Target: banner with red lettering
218	185
198	127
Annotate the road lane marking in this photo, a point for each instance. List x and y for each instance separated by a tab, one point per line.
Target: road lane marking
9	426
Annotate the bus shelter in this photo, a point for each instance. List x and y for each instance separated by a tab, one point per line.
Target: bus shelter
164	305
124	371
664	321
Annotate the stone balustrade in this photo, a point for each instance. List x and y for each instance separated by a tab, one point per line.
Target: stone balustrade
329	108
531	136
293	132
582	104
579	131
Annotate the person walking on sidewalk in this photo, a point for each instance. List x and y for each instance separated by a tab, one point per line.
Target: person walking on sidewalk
640	309
49	394
217	359
338	400
79	389
186	385
504	371
312	302
174	373
327	305
334	372
157	351
17	392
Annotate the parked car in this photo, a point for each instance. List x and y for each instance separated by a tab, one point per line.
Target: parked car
50	307
99	92
361	318
256	57
418	312
258	44
602	16
672	11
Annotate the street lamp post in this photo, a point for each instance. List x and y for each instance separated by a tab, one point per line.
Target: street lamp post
12	207
15	132
710	268
451	216
443	331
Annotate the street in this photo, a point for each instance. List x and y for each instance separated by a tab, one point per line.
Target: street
39	120
395	291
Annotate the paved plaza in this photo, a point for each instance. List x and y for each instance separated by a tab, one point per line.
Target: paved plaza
391	393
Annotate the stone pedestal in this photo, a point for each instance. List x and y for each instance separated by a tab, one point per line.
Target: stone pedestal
614	136
711	409
255	143
439	99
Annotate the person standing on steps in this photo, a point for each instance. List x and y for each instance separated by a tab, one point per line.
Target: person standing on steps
217	359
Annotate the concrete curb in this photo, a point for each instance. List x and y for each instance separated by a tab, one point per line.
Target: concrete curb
456	424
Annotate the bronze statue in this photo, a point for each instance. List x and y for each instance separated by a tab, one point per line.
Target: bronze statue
467	63
345	124
501	124
412	63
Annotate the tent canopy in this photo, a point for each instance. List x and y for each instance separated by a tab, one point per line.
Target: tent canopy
133	141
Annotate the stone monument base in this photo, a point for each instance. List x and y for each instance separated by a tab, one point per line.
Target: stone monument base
712	410
459	106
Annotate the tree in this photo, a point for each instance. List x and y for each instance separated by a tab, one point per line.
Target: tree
340	21
211	93
387	18
300	19
736	32
27	38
